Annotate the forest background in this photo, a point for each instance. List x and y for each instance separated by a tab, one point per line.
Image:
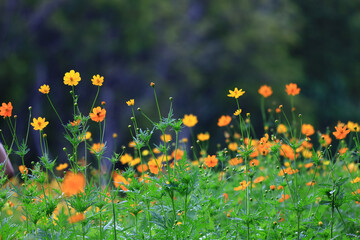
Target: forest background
194	50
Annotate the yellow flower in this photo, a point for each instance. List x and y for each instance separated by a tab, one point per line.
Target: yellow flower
44	89
135	162
203	136
39	124
87	136
354	127
131	102
145	152
356	180
281	129
236	93
189	120
243	186
237	112
126	158
233	146
97	80
72	78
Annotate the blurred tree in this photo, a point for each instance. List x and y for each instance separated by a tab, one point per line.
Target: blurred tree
194	50
330	53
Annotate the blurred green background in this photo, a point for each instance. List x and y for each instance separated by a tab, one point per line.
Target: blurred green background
195	51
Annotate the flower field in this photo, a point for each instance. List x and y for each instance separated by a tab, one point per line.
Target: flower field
291	182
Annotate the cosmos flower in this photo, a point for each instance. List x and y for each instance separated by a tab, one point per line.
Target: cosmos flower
39	123
44	89
72	78
98	114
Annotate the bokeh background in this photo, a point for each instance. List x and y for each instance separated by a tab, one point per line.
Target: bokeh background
194	50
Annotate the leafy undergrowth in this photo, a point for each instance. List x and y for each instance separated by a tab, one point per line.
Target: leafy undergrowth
291	183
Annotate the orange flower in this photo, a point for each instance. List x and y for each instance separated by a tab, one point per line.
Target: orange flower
75	123
254	162
98	114
211	161
265	91
23	169
179	154
286	197
259	179
292	89
356	192
189	120
62	166
225	196
341	131
120	181
281	129
325	140
308	165
165	138
153	167
73	183
264	146
287	152
343	150
76	218
6	109
96	148
272	187
311	183
288	170
235	161
224	120
233	146
307	129
243	186
140	168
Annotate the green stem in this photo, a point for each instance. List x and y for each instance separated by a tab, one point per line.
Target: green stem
157	104
149	217
93	104
262	105
52	105
176	148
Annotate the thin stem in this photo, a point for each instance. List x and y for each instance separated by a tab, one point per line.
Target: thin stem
52	105
157	104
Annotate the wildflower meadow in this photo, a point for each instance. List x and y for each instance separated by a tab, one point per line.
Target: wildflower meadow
290	182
